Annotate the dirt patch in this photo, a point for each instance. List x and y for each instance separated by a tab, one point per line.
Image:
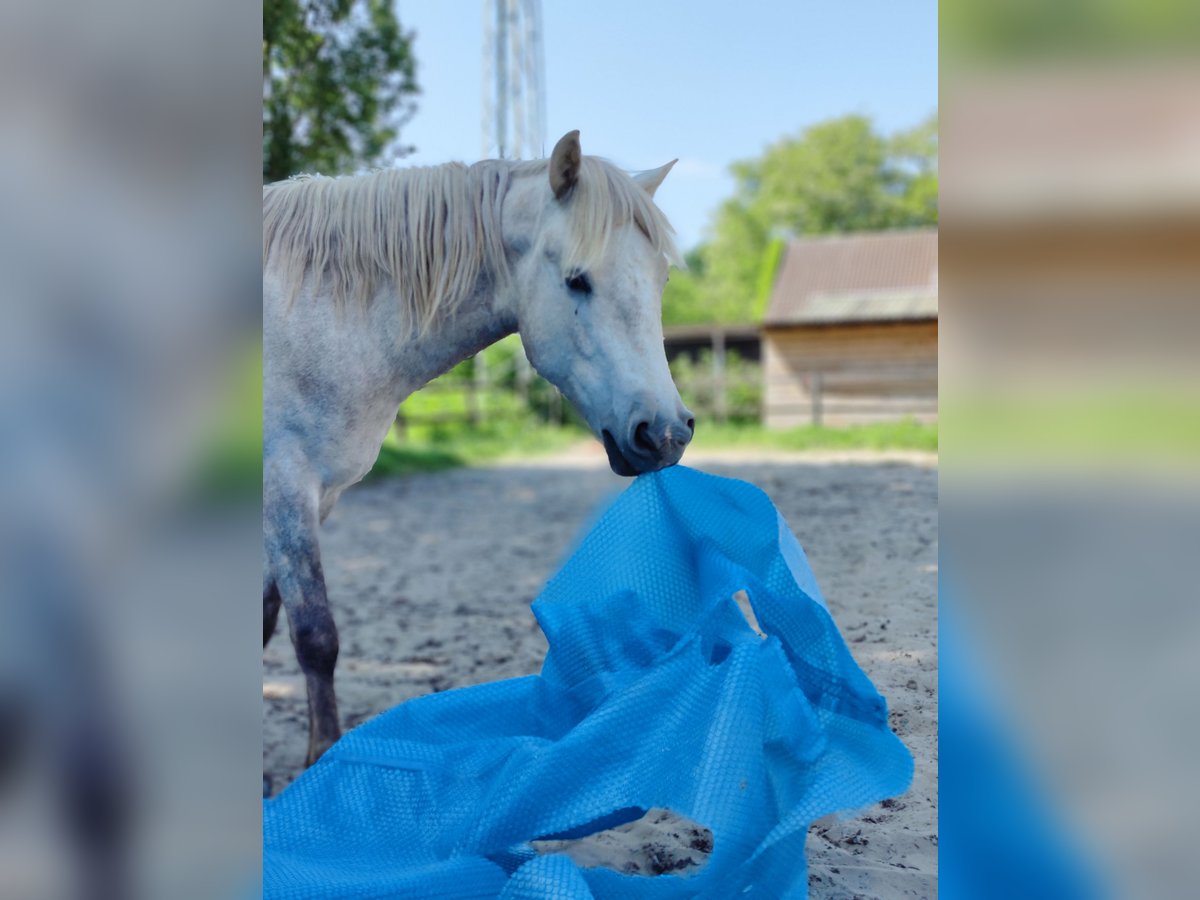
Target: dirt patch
660	842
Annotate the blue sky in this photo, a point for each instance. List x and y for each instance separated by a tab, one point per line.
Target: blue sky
708	82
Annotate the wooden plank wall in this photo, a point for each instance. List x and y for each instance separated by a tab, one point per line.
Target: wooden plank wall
849	374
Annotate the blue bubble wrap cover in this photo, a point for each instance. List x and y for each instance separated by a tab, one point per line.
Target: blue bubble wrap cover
655	692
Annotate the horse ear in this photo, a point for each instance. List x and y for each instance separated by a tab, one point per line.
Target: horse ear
564	164
651	179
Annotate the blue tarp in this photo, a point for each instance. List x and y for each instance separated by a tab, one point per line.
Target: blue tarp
655	692
1019	848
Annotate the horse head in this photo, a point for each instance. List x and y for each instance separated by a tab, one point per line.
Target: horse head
592	264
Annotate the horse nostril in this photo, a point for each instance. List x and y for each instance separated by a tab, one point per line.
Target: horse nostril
642	440
691	423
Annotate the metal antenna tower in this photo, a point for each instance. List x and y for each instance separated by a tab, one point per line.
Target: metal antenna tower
514	105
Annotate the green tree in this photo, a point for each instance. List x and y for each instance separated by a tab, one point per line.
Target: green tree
836	176
915	153
833	177
338	81
681	298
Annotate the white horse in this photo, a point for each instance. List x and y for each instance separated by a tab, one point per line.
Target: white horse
374	285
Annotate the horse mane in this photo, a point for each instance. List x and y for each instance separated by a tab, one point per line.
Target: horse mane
604	198
432	231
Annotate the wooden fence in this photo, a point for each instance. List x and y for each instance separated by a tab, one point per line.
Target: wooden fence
852	394
486	390
833	395
482	391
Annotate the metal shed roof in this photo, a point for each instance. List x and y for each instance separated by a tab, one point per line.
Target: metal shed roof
881	276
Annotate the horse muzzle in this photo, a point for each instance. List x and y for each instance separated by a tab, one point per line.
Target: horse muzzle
649	445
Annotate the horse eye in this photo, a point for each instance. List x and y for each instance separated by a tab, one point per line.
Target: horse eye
579	283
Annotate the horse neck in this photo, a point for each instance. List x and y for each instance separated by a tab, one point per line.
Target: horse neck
489	313
475	325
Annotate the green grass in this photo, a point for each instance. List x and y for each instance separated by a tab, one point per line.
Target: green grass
396	459
229	465
906	434
428	450
431	448
234	465
1101	423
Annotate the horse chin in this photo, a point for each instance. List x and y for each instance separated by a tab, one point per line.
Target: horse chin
616	459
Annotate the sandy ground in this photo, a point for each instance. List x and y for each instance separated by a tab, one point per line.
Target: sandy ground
431	577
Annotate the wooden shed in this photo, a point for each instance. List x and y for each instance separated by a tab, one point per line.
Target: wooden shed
1071	230
851	331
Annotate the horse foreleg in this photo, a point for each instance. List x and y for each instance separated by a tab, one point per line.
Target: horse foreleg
295	563
271	601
